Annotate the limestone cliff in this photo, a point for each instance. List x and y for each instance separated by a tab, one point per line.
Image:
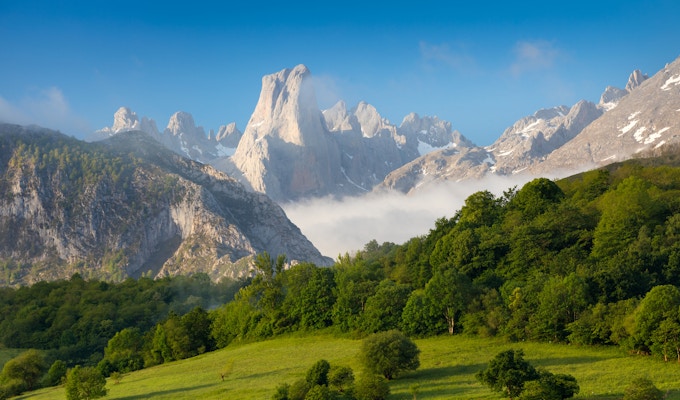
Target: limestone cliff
127	206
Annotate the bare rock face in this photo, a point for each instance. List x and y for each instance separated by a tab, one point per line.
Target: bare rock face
286	150
645	119
635	80
127	120
431	133
532	138
181	135
143	210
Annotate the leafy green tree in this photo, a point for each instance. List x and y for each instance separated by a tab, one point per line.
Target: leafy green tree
383	310
83	383
318	373
661	303
340	378
298	390
550	387
561	301
56	373
371	387
422	317
28	367
507	372
449	291
197	324
124	351
281	392
319	392
536	197
625	210
642	389
389	354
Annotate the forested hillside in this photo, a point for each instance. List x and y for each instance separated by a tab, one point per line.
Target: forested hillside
581	260
592	259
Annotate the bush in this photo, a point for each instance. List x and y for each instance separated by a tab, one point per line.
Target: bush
389	353
371	387
318	373
507	373
642	389
85	383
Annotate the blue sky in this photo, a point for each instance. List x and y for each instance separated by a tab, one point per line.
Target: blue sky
482	65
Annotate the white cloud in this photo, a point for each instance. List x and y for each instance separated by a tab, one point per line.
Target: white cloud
46	107
433	54
533	56
339	226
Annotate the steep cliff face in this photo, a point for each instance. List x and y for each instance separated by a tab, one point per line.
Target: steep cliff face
127	207
286	150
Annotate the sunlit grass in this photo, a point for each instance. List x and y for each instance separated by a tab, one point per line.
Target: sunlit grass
448	367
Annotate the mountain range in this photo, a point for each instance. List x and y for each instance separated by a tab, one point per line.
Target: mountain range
128	207
290	149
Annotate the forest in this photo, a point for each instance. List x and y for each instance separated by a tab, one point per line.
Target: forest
593	259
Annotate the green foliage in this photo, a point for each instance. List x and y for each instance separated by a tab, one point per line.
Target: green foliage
340	378
318	373
75	318
550	387
507	373
389	354
642	389
281	392
383	310
83	383
371	387
24	370
56	373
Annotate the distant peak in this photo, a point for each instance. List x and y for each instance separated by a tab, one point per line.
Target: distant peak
636	78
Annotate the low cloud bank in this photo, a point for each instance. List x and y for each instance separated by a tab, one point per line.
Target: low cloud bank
339	226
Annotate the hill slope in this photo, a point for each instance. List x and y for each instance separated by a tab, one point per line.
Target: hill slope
126	207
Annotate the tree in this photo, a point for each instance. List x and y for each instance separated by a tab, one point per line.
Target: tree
318	373
507	373
642	389
124	351
550	387
383	310
450	292
389	353
371	387
661	303
27	367
84	383
340	378
56	373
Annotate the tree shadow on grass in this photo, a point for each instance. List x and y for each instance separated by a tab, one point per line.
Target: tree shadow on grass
163	393
547	362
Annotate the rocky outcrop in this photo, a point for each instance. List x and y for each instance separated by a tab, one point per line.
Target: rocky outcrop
128	207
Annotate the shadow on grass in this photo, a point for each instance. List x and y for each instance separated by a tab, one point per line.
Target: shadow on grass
545	362
163	393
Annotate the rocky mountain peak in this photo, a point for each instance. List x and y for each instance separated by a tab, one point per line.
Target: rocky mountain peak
370	120
125	119
636	78
287	108
183	123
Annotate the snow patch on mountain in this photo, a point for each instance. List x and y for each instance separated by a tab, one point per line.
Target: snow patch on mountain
673	80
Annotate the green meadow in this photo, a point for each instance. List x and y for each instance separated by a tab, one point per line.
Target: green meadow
448	367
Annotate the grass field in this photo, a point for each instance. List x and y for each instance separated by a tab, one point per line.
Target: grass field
448	366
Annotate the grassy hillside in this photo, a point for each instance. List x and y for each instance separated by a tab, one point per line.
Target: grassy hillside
448	366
